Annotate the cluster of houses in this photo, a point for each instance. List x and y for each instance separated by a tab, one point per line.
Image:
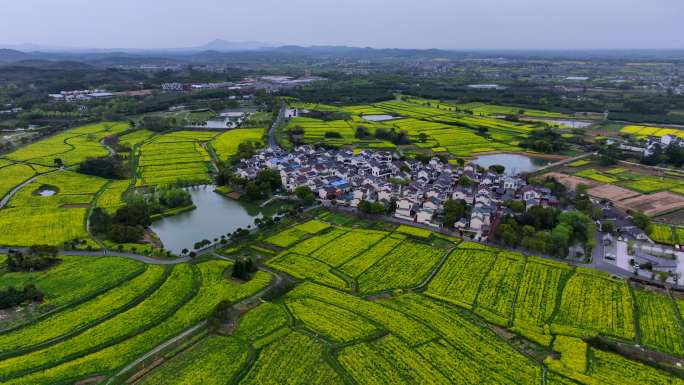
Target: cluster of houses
650	146
419	190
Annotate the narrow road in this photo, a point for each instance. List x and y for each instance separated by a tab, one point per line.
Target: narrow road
272	143
108	253
156	350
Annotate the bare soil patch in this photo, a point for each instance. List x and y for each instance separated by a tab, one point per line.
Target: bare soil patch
612	193
569	181
654	204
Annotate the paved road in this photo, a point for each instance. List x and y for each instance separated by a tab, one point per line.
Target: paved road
142	258
272	143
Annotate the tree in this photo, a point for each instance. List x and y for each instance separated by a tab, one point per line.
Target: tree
508	234
100	221
454	210
304	193
465	181
609	155
641	221
607	226
371	207
515	205
362	132
497	168
120	233
675	155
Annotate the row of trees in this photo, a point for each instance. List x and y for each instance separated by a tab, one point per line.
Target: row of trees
109	167
38	257
392	135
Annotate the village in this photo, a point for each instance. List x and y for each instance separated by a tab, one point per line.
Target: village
417	193
419	190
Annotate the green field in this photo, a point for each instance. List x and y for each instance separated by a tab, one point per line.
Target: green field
430	125
366	307
54	219
71	146
227	143
172	157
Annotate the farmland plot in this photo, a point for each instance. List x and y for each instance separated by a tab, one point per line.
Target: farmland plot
74	318
337	324
471	352
226	144
539	289
212	361
312	244
346	247
406	266
397	323
74	278
13	175
658	322
496	296
144	315
389	359
294	359
286	238
613	369
361	263
458	280
592	303
71	146
213	289
175	156
54	219
303	267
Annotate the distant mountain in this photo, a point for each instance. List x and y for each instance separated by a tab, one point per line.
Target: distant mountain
227	46
11	55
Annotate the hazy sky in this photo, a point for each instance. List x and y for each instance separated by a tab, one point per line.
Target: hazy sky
448	24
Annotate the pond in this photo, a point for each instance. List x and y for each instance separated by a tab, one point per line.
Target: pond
46	191
514	163
214	216
379	118
567	122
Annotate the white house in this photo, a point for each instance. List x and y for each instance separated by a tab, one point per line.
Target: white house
403	210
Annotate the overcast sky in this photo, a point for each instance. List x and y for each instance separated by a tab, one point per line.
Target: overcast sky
450	24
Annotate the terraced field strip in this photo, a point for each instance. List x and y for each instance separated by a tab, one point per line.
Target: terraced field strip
77	319
592	303
73	281
659	325
213	288
406	266
458	281
497	293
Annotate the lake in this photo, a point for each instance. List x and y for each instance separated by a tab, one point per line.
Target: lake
378	118
214	216
514	163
